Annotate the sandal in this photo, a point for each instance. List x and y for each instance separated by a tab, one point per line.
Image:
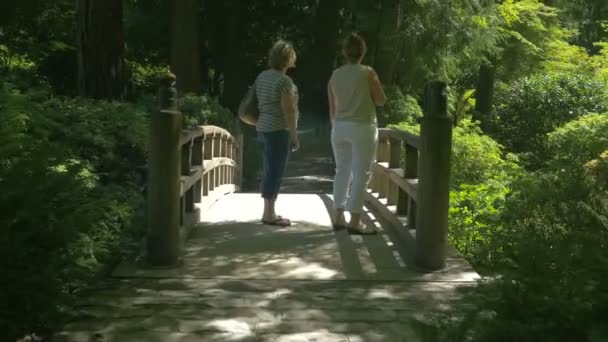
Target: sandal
361	231
278	221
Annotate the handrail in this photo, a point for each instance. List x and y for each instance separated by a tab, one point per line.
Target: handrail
395	133
187	171
410	181
211	162
395	173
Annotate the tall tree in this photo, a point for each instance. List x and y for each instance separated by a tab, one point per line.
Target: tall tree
185	45
484	93
321	63
101	65
235	14
388	43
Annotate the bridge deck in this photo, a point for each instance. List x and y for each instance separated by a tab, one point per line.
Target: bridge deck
244	281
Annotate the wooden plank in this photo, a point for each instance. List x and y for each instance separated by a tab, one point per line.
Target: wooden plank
409	185
214	163
187	182
187	135
405	136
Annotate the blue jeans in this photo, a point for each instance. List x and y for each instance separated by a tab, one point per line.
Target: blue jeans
275	150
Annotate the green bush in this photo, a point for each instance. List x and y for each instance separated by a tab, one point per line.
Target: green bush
61	220
480	176
477	158
579	141
145	78
202	110
72	174
548	248
554	252
111	136
399	108
529	108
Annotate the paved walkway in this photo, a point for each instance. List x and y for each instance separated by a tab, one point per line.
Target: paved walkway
244	281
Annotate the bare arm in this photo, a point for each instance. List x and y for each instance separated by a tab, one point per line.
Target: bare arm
289	106
332	102
376	89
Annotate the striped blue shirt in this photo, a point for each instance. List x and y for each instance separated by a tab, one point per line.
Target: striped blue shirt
270	86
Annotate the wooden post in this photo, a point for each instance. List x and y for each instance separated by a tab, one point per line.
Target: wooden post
434	189
239	161
383	157
186	158
395	152
162	247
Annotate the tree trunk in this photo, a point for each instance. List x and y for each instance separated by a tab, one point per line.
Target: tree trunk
101	66
185	47
484	93
388	47
322	60
234	24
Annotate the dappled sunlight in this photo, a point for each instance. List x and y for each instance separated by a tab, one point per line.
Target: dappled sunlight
321	335
231	329
311	271
241	280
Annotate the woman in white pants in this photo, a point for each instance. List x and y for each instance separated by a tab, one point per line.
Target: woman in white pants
354	92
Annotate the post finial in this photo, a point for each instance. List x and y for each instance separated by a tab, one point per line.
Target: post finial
167	93
436	99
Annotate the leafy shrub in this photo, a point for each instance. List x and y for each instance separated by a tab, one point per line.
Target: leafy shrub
477	158
480	176
529	108
474	216
144	78
399	108
202	110
555	251
579	141
549	248
17	69
111	136
60	219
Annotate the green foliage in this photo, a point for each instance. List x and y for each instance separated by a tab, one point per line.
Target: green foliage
399	108
474	216
527	109
554	246
480	176
110	136
202	110
528	28
477	158
579	141
145	78
548	247
70	199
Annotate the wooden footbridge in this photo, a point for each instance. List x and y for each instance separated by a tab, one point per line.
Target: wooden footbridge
210	271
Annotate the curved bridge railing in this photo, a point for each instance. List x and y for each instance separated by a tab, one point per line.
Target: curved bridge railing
410	181
188	170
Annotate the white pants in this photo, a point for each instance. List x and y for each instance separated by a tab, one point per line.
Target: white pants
354	147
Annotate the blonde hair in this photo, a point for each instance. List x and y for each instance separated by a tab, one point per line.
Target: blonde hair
354	47
280	54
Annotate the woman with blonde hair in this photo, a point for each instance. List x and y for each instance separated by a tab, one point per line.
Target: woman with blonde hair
354	92
277	98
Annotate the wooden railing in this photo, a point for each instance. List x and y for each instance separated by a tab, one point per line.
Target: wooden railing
410	181
188	170
210	168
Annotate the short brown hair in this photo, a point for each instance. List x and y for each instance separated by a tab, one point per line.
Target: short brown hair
354	47
279	54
